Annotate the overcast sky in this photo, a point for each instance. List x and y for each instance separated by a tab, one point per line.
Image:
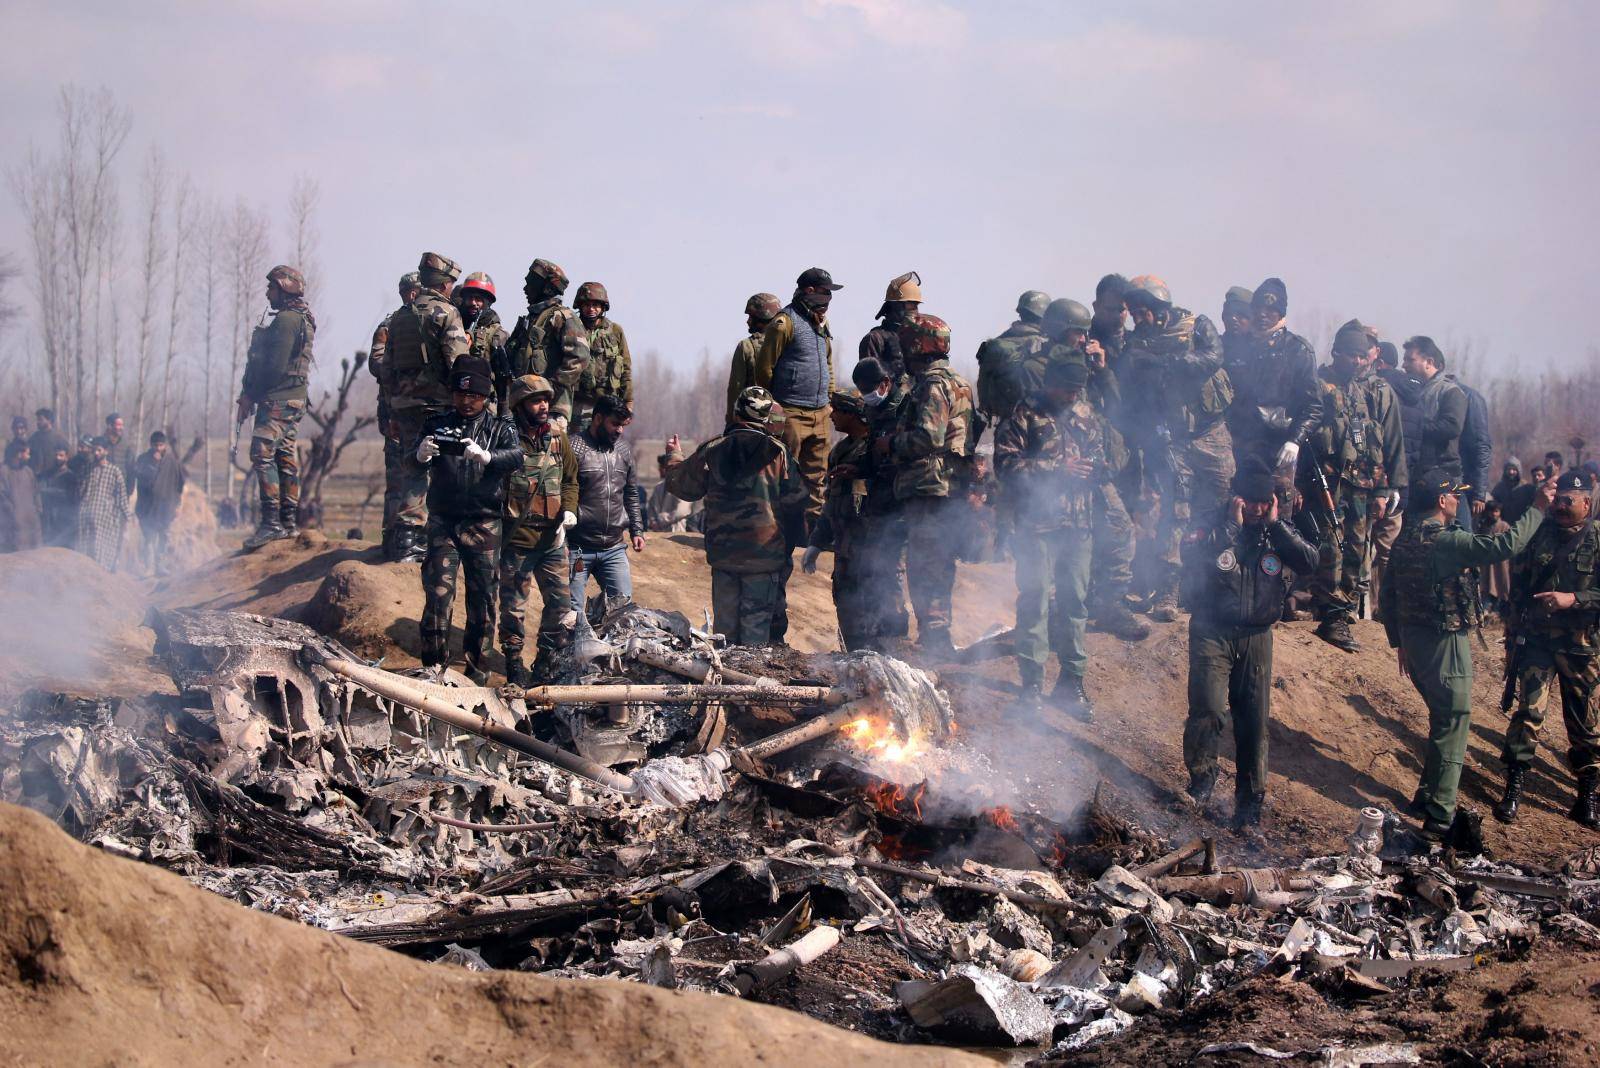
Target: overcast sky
1427	166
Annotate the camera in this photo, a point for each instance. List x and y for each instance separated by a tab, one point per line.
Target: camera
452	440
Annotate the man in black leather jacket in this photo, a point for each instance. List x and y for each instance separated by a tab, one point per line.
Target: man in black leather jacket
1236	577
468	453
610	505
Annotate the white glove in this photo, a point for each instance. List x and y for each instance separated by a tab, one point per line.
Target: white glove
1288	455
1393	505
568	520
808	562
477	452
427	449
559	422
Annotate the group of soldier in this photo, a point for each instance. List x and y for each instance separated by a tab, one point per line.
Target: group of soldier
1263	469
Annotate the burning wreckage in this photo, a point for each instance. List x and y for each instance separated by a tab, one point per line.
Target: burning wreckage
812	831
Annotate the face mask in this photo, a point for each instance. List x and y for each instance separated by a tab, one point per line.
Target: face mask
873	399
817	302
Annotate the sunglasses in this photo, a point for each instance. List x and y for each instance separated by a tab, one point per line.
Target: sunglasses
1569	500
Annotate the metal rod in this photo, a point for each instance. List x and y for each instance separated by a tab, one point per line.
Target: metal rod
659	656
933	878
804	732
632	694
486	828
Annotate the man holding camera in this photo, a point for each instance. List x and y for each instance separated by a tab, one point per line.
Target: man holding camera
468	452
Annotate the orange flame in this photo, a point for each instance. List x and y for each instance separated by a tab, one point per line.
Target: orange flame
893	799
882	741
1002	818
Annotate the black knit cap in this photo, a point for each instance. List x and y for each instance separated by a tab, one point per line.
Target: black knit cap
1272	294
472	375
1254	482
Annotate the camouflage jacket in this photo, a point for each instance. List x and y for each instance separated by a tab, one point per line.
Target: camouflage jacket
754	499
1174	378
610	370
1358	439
377	364
544	486
844	504
1557	560
933	439
1001	368
1031	450
423	342
742	374
550	341
279	362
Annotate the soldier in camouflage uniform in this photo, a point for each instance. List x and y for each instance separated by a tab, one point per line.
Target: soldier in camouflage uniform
1001	359
931	449
424	341
882	342
1178	394
610	370
486	338
846	525
274	388
754	501
1556	650
466	499
541	506
1429	608
1050	454
758	312
550	340
394	448
1358	443
884	543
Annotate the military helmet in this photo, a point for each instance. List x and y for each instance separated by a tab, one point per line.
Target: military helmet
438	267
288	279
1063	315
753	405
1033	304
1147	289
480	281
592	291
548	273
907	287
529	386
410	280
925	335
763	306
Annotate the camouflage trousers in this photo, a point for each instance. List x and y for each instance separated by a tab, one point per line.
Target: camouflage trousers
520	569
394	454
931	545
411	480
275	459
1052	596
1112	570
473	546
743	605
1195	480
1543	673
1341	578
1230	676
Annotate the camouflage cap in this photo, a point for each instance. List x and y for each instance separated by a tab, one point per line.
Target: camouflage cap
1033	303
592	291
548	273
849	404
753	406
438	266
288	279
1237	295
529	386
925	335
410	280
763	306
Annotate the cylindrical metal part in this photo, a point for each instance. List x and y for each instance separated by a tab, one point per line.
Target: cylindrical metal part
396	688
659	656
802	733
610	694
784	962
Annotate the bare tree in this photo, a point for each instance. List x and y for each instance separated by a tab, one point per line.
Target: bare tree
304	239
183	225
328	447
213	252
10	271
247	256
152	265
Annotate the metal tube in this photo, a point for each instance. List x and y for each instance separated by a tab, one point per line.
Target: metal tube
631	694
659	656
395	688
804	732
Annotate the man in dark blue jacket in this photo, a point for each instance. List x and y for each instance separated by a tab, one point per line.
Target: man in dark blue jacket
1477	454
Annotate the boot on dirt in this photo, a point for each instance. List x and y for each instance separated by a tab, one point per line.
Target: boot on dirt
516	672
1031	698
290	521
1070	696
269	530
1115	619
1335	630
1506	810
1586	809
410	545
1247	809
935	645
1200	787
1165	608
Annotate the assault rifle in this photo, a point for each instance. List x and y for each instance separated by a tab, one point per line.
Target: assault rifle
1319	482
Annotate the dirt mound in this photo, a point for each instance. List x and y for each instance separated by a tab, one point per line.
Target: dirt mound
191	541
68	624
371	607
108	961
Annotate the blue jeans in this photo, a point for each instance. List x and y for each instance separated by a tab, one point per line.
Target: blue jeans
609	567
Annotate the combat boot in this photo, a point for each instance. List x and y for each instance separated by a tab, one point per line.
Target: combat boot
1506	810
1165	608
1115	619
1586	809
1200	787
516	671
1070	696
290	521
410	545
1032	675
268	530
1247	810
935	645
1335	630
